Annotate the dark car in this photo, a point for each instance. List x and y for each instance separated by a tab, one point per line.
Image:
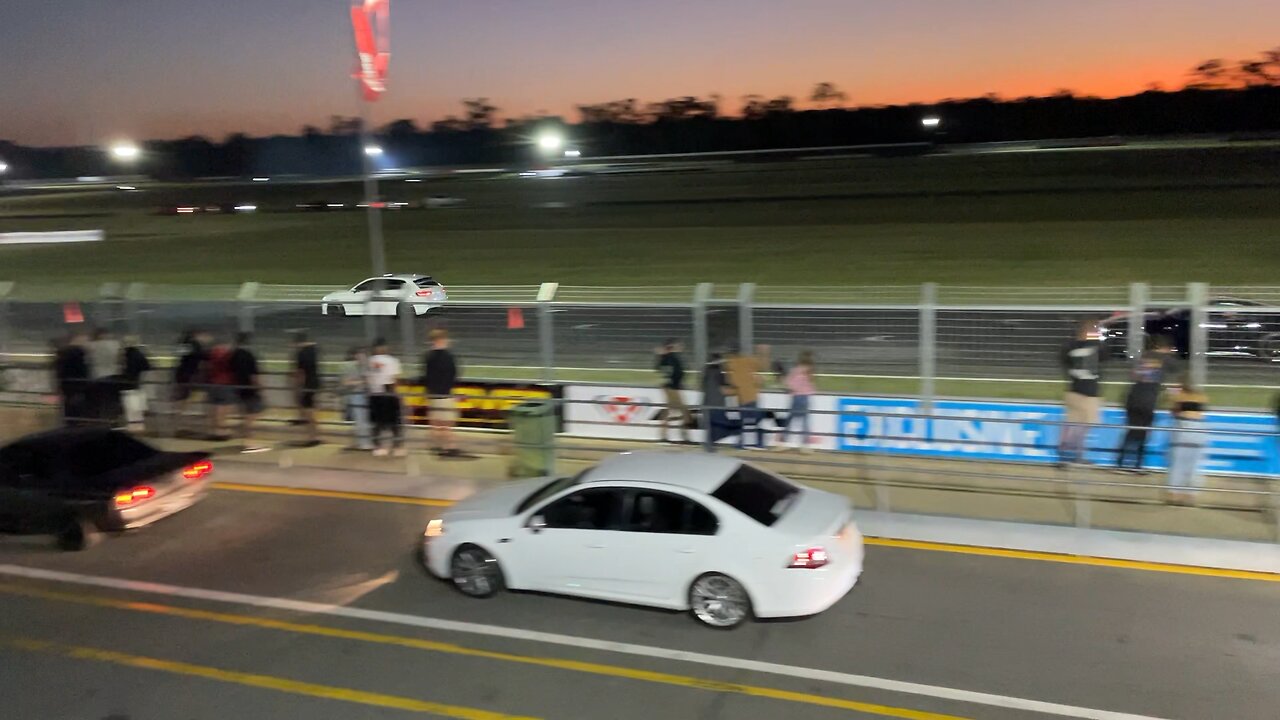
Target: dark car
1235	328
77	483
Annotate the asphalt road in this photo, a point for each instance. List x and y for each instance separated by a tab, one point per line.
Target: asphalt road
377	644
1015	344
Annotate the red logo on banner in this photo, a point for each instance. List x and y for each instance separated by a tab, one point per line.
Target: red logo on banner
371	23
619	408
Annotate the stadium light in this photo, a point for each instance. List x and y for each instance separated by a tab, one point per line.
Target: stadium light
572	153
4	167
125	152
931	121
372	150
550	141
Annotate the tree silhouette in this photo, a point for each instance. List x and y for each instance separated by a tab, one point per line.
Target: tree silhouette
400	128
479	113
1209	75
826	95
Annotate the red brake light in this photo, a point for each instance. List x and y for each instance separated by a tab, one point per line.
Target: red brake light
425	293
134	496
198	470
810	559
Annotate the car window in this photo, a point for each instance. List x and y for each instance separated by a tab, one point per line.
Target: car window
590	509
552	488
367	286
756	494
100	454
393	284
426	282
25	465
660	512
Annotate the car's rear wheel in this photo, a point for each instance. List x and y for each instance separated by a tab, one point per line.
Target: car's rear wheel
475	572
77	534
719	601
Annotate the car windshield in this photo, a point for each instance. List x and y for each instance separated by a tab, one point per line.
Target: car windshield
548	490
426	283
756	494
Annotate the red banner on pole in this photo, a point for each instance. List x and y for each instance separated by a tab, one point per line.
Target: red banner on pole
371	23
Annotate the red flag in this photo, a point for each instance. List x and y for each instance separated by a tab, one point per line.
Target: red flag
515	318
71	313
371	23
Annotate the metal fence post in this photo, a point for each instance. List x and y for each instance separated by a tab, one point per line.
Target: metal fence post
746	335
928	345
248	291
6	289
407	314
701	294
546	333
1136	338
1198	295
132	316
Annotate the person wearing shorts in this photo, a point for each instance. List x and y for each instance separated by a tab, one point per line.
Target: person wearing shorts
221	389
306	378
1080	360
384	403
439	375
244	367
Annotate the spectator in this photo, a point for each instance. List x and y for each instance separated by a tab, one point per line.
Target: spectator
1080	360
244	369
133	365
104	371
355	387
1140	412
1189	405
439	375
71	371
220	388
744	372
306	379
384	403
190	370
800	383
670	367
715	386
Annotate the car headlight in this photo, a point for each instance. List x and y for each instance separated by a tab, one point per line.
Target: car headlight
435	528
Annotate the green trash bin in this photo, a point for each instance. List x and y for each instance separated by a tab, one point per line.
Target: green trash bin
533	437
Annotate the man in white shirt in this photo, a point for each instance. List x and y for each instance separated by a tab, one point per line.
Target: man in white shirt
384	403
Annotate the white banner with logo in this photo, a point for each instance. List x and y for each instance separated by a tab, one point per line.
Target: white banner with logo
634	413
41	238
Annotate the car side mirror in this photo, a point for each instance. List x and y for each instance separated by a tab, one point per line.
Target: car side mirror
537	523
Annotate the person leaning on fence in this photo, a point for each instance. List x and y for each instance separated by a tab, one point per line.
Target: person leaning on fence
384	403
1187	448
1081	360
744	372
104	370
189	373
133	395
670	367
71	372
355	389
439	376
306	383
244	367
1140	412
800	384
219	388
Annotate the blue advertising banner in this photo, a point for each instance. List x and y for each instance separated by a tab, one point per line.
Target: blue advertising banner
1026	433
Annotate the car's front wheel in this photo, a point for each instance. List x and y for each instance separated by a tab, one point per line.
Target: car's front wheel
475	572
76	534
719	601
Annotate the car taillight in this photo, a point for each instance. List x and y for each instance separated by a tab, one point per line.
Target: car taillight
198	470
134	496
811	559
425	293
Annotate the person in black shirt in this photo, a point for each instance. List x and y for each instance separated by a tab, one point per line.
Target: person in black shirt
306	379
189	373
133	364
439	375
670	367
1140	412
1080	361
244	369
71	371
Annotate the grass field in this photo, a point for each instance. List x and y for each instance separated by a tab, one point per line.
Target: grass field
1077	218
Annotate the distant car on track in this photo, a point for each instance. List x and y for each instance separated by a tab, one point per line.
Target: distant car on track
1235	329
77	483
385	295
685	531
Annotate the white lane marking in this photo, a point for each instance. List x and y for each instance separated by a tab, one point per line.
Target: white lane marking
649	651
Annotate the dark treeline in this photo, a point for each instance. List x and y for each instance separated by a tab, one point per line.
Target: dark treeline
1221	98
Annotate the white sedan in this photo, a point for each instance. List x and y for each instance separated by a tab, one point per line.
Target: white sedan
385	295
685	531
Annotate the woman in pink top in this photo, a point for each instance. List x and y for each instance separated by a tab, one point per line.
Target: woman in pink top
799	383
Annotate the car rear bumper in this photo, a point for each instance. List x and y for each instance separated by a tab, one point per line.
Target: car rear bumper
161	507
797	592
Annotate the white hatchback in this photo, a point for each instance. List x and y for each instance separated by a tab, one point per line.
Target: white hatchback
685	531
385	296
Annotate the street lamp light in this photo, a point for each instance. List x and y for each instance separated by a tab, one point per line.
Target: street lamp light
125	152
4	167
373	150
932	122
550	142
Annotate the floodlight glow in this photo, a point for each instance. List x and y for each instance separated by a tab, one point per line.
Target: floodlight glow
931	121
4	167
245	208
372	150
125	151
572	153
261	179
550	141
126	188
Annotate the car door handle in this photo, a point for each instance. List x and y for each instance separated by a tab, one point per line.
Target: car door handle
596	547
686	551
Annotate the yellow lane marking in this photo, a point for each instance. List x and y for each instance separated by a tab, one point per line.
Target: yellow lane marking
1076	559
883	542
453	649
335	494
266	682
